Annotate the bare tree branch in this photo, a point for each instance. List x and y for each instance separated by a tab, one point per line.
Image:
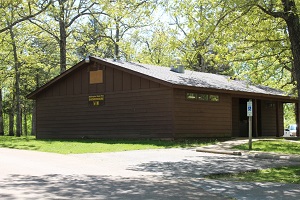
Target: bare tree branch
272	13
25	18
80	14
46	30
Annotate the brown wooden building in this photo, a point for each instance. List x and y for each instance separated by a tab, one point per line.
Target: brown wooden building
103	98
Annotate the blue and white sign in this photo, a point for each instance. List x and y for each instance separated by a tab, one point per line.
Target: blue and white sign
249	108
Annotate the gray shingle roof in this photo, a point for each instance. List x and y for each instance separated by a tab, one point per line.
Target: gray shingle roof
195	79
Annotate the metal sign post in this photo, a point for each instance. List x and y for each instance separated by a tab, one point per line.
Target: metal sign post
250	114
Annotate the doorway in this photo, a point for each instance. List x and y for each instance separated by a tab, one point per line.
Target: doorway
243	119
240	118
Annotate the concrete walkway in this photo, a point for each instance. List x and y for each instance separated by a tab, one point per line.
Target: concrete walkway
144	174
226	148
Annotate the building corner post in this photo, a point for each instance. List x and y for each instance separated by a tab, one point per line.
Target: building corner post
277	119
297	118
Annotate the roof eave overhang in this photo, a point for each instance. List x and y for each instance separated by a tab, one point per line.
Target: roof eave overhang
92	59
241	94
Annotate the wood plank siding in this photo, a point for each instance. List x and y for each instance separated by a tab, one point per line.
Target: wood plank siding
103	98
133	108
266	122
235	117
268	118
202	118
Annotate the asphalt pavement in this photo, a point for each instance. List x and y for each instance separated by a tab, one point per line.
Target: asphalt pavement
143	174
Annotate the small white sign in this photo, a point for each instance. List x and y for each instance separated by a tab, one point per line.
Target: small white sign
249	108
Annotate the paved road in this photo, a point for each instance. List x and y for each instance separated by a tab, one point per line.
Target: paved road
145	174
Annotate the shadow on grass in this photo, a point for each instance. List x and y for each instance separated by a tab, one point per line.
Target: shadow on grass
156	142
20	146
49	145
26	143
278	146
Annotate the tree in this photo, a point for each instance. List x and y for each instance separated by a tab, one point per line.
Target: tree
158	46
197	23
1	114
119	22
7	81
90	41
17	82
39	66
289	12
264	41
15	54
64	13
13	13
9	19
258	39
26	10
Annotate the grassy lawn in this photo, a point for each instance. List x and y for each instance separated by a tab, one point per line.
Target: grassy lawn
93	146
277	146
282	174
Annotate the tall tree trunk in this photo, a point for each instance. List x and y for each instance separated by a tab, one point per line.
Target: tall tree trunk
25	131
62	47
11	116
293	25
1	114
17	84
21	127
62	38
117	48
33	119
11	124
201	63
291	17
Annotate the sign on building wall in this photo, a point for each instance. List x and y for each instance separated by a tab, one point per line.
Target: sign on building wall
96	100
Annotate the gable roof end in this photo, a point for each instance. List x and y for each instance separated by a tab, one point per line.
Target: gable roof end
33	94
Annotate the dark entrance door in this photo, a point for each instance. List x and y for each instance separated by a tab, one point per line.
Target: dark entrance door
243	118
258	119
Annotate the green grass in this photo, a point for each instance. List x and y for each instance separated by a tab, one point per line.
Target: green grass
277	146
282	174
93	146
279	175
